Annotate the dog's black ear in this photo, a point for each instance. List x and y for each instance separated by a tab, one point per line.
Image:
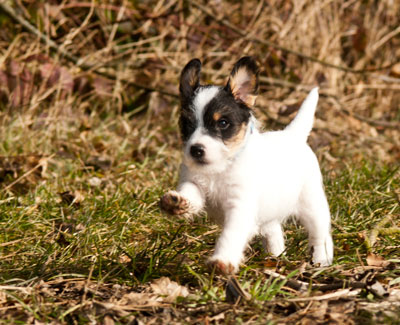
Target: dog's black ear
190	79
243	81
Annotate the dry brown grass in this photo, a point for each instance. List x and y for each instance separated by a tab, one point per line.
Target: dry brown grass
148	44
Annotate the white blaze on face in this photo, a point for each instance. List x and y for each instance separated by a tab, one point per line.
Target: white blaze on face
202	98
214	148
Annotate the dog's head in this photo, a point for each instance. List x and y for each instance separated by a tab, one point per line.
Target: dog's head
215	120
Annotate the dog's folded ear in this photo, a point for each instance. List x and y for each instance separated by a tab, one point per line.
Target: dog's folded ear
190	79
243	81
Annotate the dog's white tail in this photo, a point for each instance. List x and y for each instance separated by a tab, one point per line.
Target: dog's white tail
302	124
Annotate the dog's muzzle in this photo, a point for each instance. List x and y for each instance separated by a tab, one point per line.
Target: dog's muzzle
197	151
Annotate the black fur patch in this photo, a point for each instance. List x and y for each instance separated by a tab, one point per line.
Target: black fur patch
226	108
190	80
189	83
223	105
187	123
229	106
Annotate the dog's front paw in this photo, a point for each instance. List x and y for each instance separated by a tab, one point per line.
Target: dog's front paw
221	267
174	203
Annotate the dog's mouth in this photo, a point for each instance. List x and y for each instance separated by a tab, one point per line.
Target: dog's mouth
202	161
196	161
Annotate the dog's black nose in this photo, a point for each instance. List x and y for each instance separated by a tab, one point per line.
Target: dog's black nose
197	151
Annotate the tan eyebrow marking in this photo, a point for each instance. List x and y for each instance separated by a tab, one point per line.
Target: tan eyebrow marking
216	116
236	140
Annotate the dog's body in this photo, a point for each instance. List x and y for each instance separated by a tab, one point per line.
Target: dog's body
247	181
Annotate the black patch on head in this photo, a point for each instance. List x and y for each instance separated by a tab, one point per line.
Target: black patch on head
226	113
190	80
187	123
224	116
189	83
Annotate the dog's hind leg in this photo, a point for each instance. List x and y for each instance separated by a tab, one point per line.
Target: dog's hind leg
315	217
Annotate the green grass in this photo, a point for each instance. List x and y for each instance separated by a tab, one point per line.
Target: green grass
81	232
115	237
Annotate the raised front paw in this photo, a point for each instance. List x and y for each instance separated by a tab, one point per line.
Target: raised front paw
174	203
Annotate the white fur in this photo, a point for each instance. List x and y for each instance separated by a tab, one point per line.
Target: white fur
273	175
203	97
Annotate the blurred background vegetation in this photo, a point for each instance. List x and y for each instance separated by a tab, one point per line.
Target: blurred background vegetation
65	64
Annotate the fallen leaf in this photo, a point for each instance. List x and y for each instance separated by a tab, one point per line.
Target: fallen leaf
103	86
271	263
376	260
170	290
54	74
70	198
20	83
94	181
378	290
124	259
139	299
54	11
346	247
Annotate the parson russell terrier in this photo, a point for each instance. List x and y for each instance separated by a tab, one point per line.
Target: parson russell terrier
247	181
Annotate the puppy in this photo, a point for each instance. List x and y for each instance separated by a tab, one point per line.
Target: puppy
247	181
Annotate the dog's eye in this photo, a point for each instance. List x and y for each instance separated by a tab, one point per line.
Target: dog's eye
223	124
